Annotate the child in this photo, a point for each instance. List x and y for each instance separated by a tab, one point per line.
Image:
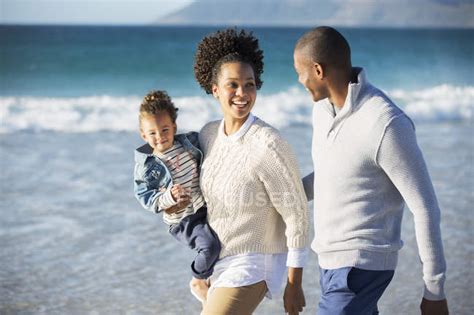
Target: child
167	177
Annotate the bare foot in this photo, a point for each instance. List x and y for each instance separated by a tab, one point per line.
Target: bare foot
199	288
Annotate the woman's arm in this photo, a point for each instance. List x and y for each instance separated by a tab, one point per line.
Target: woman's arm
185	201
294	299
279	173
281	178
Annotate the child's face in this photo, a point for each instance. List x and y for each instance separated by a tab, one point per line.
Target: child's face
158	131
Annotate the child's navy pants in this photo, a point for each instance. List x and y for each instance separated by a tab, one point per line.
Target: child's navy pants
195	232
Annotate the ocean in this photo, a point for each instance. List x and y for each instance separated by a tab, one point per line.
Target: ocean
75	241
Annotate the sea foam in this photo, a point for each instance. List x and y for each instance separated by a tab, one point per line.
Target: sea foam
293	106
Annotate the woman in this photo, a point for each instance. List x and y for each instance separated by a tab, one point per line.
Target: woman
251	183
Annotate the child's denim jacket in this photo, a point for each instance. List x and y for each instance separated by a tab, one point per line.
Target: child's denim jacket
152	177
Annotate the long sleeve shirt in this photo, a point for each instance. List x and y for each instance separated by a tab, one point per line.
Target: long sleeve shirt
367	165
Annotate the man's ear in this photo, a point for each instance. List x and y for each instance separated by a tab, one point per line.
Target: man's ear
215	91
318	69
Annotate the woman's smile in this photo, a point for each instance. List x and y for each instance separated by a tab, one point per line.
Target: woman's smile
236	91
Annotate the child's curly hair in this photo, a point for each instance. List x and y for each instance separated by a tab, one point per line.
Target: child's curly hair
222	47
155	102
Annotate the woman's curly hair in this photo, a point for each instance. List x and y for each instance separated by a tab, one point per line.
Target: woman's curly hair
155	102
223	47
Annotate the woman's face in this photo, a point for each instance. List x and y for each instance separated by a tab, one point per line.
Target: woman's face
235	90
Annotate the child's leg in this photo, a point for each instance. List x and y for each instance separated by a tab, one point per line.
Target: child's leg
197	234
208	248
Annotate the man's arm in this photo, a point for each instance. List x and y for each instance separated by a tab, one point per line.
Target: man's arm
401	159
308	185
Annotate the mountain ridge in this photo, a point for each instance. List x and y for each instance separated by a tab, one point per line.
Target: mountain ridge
349	13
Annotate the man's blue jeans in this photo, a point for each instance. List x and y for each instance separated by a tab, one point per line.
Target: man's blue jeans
352	291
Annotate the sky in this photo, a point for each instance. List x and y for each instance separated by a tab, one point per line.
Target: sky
145	12
127	12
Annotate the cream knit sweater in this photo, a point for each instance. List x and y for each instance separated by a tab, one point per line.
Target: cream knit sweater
253	190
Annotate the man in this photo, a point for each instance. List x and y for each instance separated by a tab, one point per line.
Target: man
367	164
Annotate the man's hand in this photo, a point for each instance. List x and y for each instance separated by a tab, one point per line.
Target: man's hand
434	307
293	299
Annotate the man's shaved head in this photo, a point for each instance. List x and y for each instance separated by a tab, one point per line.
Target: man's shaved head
327	47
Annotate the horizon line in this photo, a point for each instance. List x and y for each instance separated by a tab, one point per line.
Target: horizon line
185	25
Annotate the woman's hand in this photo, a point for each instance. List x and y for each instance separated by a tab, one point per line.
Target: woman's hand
180	205
434	307
179	193
293	299
181	196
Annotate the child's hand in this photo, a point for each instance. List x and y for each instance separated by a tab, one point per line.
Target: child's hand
180	194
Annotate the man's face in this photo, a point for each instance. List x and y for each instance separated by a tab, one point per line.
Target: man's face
309	76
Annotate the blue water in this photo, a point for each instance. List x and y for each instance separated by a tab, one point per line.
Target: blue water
84	61
86	79
75	241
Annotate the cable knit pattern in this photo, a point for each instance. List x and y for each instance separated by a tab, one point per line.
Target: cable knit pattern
256	202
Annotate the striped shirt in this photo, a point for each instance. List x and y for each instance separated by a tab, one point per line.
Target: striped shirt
184	171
